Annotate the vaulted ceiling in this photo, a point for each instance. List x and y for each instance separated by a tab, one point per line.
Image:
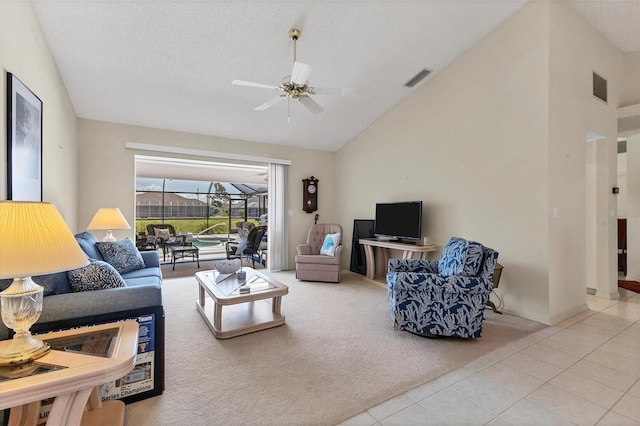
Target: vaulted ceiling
169	64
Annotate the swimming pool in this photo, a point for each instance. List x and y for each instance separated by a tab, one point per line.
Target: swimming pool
210	242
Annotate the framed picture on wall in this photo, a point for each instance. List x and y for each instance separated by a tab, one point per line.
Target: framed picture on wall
24	142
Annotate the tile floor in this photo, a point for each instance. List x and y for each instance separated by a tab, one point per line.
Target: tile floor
583	371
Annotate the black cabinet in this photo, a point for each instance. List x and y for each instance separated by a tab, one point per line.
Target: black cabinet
362	228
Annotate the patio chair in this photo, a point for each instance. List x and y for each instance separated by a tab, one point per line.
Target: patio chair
146	242
249	246
245	225
166	236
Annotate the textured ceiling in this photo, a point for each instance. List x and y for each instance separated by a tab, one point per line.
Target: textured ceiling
617	20
169	64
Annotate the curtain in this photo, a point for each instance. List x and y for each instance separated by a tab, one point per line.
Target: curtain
278	245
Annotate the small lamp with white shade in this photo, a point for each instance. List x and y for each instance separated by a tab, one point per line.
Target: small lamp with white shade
34	240
107	219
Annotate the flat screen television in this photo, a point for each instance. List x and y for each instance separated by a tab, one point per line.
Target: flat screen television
399	221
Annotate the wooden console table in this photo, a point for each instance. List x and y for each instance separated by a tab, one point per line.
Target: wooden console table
385	248
71	374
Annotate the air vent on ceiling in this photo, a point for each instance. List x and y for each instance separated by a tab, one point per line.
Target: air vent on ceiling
418	78
599	87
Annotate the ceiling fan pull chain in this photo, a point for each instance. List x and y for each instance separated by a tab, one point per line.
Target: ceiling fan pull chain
288	110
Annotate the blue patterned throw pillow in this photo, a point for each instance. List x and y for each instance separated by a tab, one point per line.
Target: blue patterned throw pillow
330	244
122	255
460	257
451	259
97	275
473	260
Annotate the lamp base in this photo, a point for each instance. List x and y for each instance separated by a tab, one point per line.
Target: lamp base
23	348
21	306
109	237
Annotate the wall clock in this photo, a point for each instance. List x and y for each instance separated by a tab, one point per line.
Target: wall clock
310	194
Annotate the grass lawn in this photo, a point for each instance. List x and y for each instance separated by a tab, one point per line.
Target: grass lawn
195	226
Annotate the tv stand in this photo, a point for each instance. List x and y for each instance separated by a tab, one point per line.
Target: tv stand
394	240
401	241
385	247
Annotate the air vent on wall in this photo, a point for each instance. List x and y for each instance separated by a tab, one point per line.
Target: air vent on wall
418	78
599	87
622	146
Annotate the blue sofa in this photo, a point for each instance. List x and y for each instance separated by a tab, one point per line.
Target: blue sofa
445	297
143	290
139	299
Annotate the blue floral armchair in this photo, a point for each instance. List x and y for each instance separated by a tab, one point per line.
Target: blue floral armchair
445	297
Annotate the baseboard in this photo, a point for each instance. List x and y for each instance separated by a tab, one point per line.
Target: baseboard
374	282
568	314
611	296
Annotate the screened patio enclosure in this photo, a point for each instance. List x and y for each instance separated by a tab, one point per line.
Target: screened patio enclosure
200	208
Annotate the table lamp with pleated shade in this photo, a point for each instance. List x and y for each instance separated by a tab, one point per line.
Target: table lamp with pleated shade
34	240
107	219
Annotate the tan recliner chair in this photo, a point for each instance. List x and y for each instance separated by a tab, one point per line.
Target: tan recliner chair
311	265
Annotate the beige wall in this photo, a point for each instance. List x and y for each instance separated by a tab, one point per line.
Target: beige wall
492	144
24	53
107	171
630	95
472	144
576	50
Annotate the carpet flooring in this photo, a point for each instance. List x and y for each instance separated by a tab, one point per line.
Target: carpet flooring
630	285
336	356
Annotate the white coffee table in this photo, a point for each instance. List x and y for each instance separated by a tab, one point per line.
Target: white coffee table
243	312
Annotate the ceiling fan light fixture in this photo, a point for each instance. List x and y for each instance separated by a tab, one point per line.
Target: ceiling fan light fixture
296	85
300	73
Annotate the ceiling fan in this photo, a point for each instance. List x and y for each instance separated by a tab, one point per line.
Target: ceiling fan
296	86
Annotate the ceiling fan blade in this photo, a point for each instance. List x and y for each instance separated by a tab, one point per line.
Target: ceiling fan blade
300	73
311	104
335	91
269	103
252	84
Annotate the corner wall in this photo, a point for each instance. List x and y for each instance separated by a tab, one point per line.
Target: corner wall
24	53
495	146
472	143
576	50
108	171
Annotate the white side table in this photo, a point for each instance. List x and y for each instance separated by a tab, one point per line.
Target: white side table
87	357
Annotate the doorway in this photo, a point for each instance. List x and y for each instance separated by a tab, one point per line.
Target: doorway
599	219
202	200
